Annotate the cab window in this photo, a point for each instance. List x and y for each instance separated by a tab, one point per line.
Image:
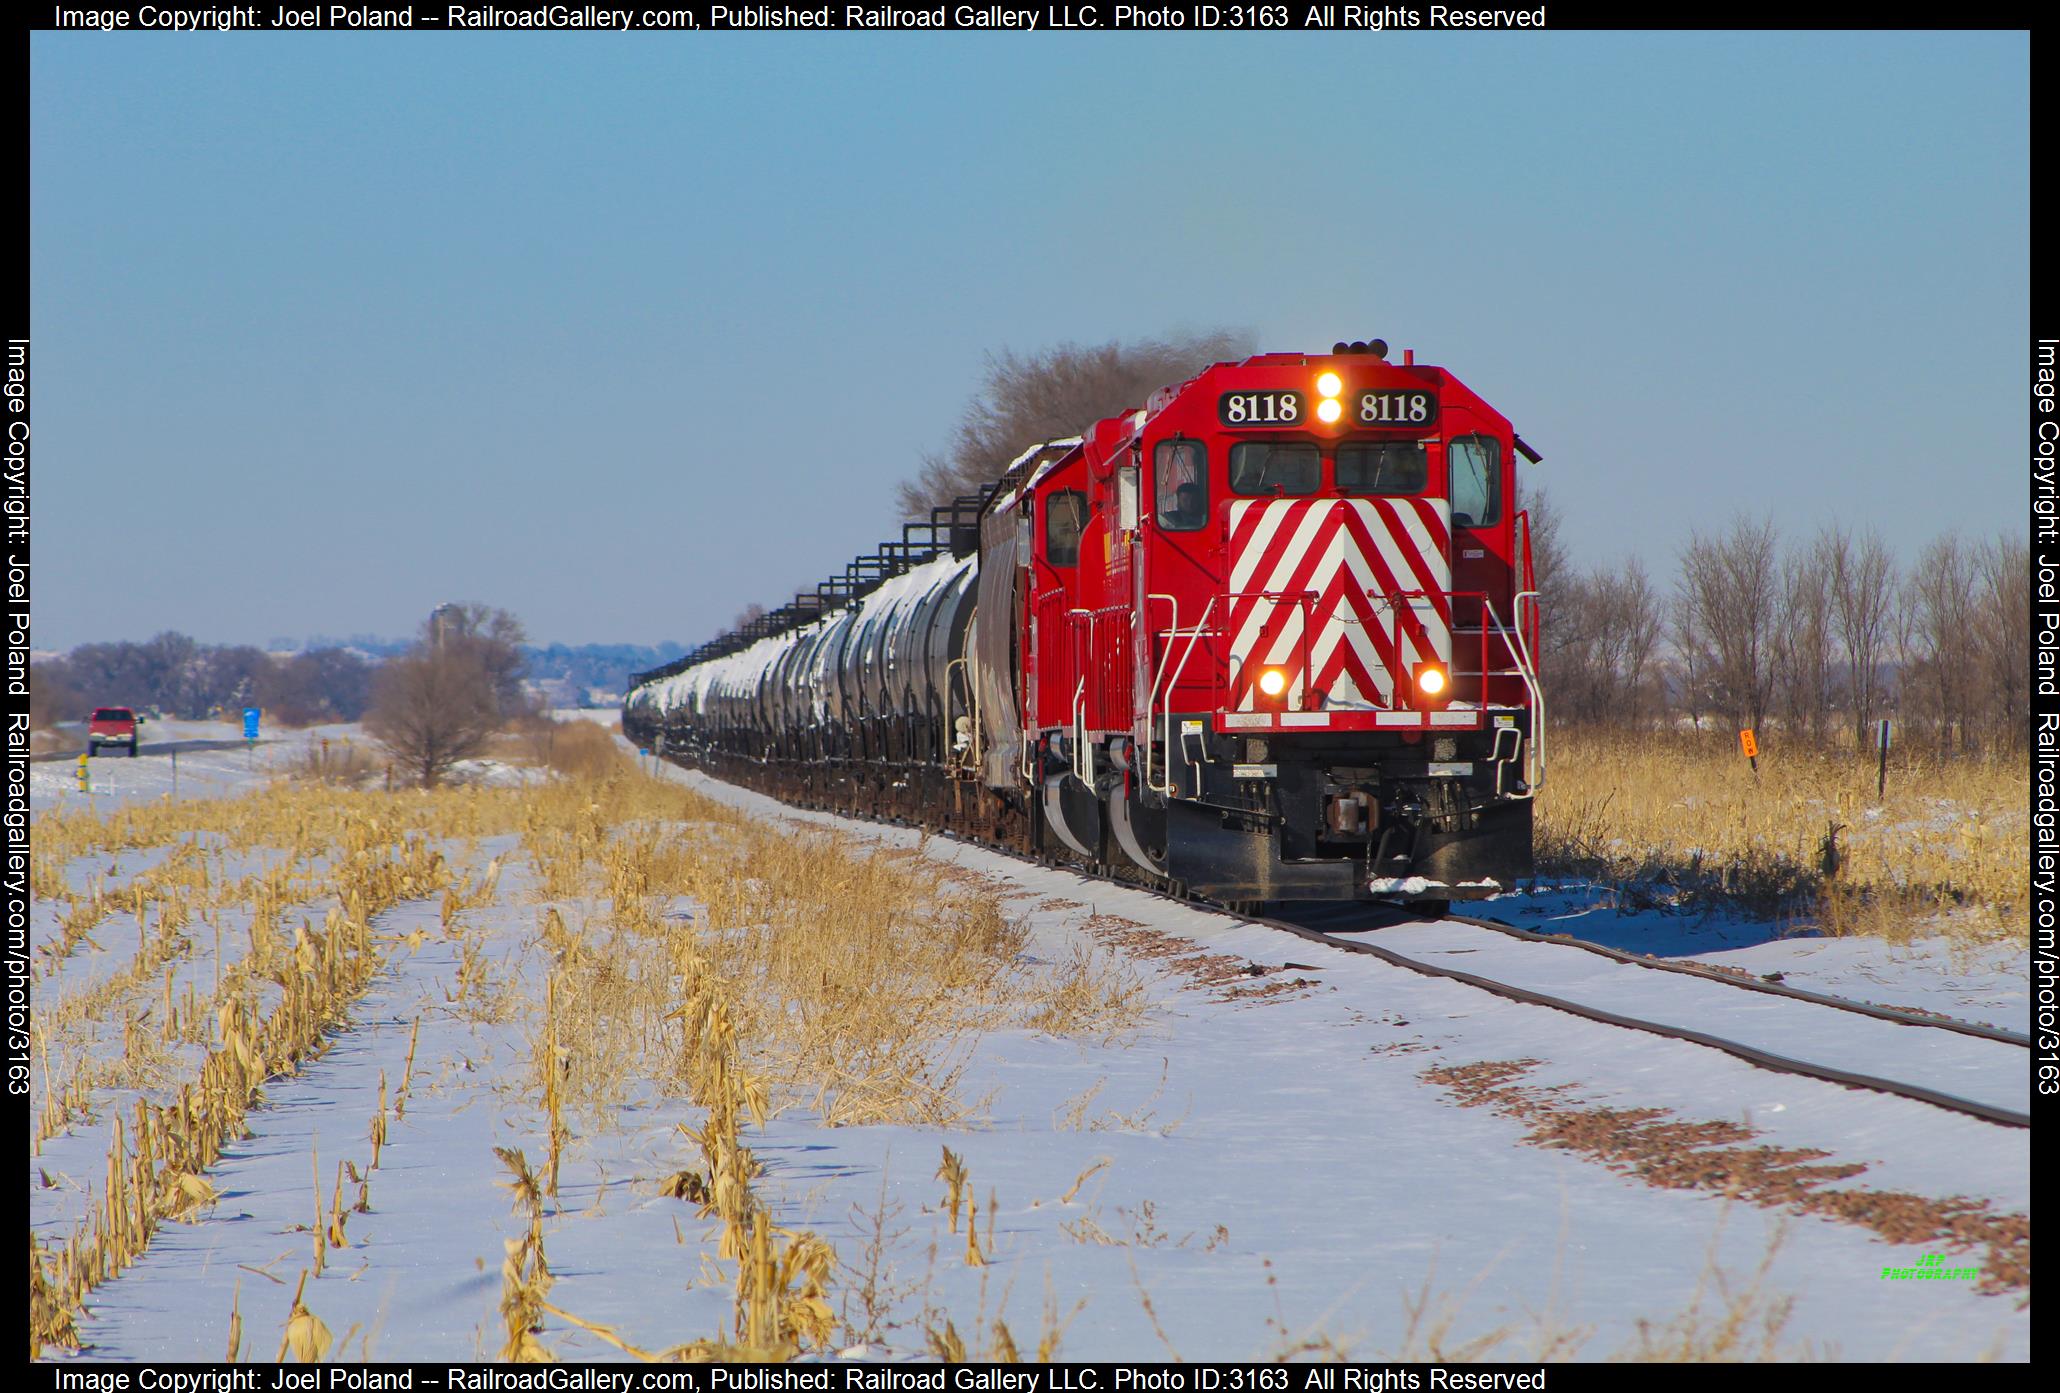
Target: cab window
1065	518
1268	467
1180	485
1382	466
1475	464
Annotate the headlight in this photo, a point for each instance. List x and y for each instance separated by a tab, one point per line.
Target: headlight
1328	410
1431	683
1273	681
1329	385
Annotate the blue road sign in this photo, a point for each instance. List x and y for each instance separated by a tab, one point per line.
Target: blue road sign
250	722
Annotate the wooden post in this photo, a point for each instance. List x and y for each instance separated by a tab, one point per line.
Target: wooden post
1881	766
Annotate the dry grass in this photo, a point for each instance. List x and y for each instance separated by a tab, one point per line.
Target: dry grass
858	982
342	763
582	749
1682	818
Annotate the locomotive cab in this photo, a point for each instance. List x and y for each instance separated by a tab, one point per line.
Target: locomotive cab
1291	654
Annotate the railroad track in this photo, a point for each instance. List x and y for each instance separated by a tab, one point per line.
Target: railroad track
1757	1054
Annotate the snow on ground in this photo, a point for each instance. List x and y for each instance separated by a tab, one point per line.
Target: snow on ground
210	759
1273	1167
1961	1066
204	759
1986	983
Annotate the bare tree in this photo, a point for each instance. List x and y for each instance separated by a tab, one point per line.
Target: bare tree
1726	614
1693	662
462	681
1940	651
1548	552
1563	618
494	638
1803	639
1053	394
1863	593
2003	633
52	697
322	684
1603	639
432	708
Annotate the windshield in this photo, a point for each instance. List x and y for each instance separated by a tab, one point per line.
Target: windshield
1382	466
1268	467
1065	518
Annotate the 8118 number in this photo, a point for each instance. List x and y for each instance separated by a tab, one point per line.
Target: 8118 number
1259	408
1397	408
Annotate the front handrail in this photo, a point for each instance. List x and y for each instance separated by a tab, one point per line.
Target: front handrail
1420	638
1527	669
1165	681
1081	768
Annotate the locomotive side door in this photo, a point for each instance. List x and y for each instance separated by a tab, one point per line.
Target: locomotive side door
1183	556
1060	526
1477	481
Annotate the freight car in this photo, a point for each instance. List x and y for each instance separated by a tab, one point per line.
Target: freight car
1268	637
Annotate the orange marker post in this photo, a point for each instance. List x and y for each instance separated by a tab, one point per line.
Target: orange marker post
1749	746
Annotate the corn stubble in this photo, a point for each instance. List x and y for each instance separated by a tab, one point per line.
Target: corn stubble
812	973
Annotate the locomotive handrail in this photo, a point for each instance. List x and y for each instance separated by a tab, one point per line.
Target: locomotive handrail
1421	638
1303	599
1082	768
1078	620
1526	667
1143	729
1192	636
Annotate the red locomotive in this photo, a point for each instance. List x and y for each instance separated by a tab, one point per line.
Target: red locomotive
1269	637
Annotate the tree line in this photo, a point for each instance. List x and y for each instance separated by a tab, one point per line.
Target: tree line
1820	635
435	703
181	677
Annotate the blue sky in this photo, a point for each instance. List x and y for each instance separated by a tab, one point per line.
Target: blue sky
623	332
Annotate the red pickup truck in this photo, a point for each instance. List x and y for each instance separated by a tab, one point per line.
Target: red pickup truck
111	725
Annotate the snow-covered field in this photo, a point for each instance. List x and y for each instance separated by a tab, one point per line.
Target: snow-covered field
1284	1159
210	759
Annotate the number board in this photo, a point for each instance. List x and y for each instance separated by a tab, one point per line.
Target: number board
1389	408
1260	409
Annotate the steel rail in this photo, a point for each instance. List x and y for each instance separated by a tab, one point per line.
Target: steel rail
1755	984
1764	1059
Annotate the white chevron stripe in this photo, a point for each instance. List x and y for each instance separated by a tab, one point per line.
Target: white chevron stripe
1402	540
1248	559
1283	572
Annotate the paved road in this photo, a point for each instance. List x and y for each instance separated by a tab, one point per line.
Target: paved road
163	747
